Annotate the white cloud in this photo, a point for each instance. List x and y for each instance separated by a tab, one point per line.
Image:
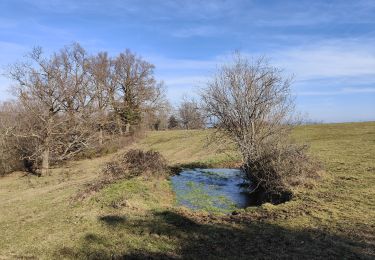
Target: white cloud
343	91
330	64
328	60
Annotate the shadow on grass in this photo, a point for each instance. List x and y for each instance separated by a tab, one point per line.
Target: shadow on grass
209	237
112	220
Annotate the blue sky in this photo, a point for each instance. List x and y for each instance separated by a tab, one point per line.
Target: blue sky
329	46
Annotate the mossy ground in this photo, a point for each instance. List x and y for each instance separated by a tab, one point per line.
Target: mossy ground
138	217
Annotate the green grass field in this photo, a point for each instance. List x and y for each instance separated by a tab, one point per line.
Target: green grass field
41	219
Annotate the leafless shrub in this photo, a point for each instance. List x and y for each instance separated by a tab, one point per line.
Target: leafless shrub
250	102
135	163
115	170
150	162
279	169
131	164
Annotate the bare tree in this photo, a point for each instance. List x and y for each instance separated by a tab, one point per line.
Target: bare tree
38	93
68	100
54	92
156	116
173	122
135	88
10	154
190	114
102	87
250	102
76	120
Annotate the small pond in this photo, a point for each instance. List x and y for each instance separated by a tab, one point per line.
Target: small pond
214	190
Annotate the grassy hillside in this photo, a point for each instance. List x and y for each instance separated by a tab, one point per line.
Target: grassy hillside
39	217
185	147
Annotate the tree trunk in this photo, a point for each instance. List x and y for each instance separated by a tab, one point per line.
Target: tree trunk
127	128
101	136
119	125
47	143
45	161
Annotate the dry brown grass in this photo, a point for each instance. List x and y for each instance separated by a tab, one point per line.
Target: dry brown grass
138	218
